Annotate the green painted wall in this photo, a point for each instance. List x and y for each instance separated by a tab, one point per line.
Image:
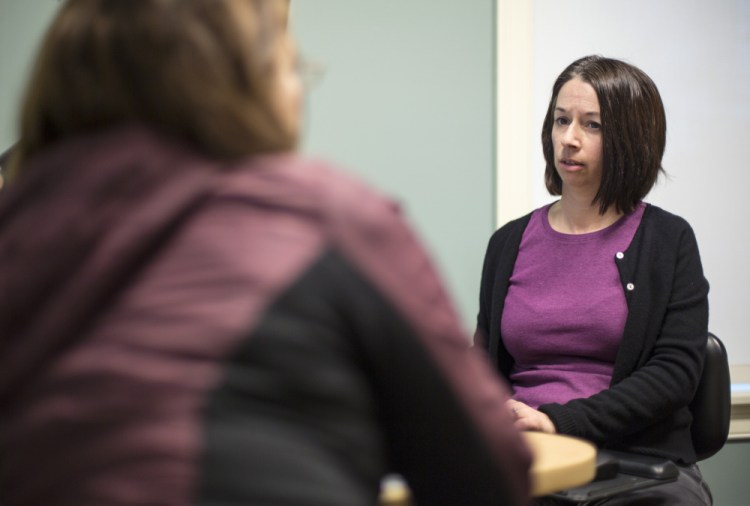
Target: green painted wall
407	102
22	23
727	474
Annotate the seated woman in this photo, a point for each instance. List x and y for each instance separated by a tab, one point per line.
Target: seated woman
193	315
595	307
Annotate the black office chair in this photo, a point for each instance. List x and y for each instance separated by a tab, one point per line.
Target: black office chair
712	403
619	472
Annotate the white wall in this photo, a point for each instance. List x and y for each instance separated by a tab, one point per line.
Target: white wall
698	53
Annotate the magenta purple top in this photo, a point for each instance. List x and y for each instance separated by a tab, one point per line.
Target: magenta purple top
565	311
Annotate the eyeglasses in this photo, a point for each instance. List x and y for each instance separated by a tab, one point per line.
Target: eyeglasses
4	158
310	71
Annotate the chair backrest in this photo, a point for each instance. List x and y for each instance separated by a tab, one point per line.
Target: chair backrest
711	411
712	402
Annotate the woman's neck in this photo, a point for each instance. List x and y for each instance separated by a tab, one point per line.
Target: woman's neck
578	216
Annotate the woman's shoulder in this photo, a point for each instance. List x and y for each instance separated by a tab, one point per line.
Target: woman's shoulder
511	229
663	220
663	231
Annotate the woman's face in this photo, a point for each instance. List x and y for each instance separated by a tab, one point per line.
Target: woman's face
577	137
288	89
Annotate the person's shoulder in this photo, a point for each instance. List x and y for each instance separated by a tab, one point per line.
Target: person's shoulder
661	219
315	188
664	230
345	200
516	223
512	228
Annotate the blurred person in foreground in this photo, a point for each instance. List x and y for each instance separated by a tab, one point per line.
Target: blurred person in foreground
4	159
191	314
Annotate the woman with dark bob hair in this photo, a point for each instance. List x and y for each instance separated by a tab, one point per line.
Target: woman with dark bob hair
191	314
595	307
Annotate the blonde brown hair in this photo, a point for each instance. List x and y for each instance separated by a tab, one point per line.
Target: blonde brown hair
201	70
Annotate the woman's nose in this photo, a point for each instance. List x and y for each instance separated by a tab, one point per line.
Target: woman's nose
571	136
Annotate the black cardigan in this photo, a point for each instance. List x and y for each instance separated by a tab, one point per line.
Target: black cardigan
660	358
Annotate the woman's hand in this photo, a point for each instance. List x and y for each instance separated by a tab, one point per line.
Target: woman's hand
528	418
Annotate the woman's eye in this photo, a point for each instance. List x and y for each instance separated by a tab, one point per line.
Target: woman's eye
562	121
594	125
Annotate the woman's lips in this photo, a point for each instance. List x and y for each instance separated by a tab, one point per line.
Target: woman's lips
569	164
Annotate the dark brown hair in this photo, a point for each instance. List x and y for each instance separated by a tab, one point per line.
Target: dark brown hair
634	129
201	70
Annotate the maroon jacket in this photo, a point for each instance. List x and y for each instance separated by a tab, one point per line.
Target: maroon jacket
180	331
